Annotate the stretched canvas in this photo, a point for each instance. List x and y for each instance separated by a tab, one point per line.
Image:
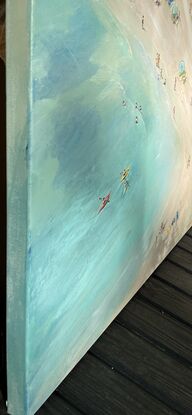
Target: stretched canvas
99	127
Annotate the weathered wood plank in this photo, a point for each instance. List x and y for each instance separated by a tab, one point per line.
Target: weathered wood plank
99	390
163	330
175	275
186	243
56	405
181	258
168	299
164	377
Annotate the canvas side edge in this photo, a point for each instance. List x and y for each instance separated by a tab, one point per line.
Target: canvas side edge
18	132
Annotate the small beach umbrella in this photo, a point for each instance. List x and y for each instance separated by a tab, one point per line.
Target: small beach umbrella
175	10
181	67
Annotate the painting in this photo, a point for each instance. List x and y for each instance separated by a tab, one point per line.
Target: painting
99	171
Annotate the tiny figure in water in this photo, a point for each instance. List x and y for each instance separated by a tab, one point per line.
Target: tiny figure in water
124	103
173	221
124	178
162	228
105	200
124	174
126	185
143	22
140	108
164	83
174	111
158	60
175	15
176	218
168	230
136	120
136	106
175	84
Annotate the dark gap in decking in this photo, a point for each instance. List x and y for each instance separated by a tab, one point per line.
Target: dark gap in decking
165	311
169	272
180	266
183	248
172	285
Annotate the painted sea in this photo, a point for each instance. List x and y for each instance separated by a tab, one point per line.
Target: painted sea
98	107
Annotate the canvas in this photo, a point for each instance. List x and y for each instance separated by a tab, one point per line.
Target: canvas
99	103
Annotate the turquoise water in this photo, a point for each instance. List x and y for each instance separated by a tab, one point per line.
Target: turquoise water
82	265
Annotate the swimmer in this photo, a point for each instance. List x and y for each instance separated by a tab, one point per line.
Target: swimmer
143	21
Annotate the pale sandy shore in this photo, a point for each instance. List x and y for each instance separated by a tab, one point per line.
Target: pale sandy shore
173	43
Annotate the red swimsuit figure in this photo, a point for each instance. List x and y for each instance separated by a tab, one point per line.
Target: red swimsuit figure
105	200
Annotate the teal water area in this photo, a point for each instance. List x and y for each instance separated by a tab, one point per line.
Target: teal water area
87	79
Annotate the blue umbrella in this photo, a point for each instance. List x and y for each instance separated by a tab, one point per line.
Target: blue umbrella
175	10
181	67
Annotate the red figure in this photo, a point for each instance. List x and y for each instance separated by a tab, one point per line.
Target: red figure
105	200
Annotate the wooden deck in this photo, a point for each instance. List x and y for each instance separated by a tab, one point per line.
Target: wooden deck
142	364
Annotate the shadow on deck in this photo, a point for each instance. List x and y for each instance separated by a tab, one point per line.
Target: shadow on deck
142	364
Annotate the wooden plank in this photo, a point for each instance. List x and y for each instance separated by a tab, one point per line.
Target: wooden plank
164	377
167	299
175	275
186	243
97	389
56	405
162	330
181	258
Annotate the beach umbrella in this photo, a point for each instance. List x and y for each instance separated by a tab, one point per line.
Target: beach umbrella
181	67
182	71
175	10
